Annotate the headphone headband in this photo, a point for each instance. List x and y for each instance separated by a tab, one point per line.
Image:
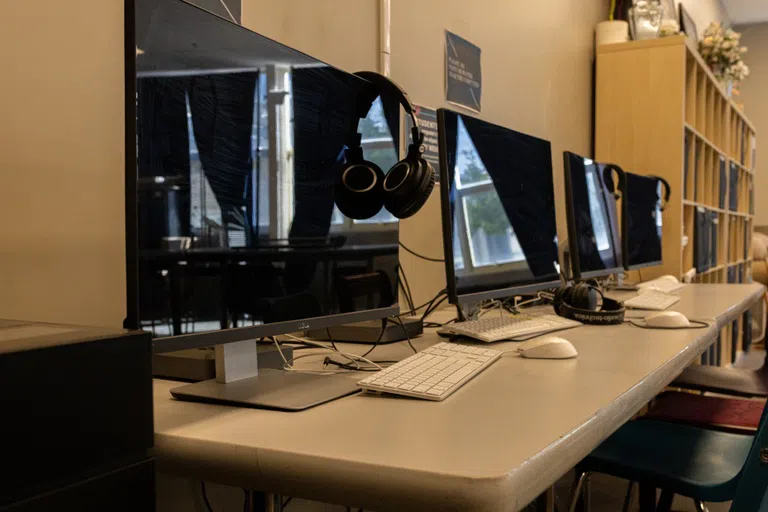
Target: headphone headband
389	87
608	179
573	302
667	189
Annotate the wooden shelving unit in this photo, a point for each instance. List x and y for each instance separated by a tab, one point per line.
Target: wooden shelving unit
660	111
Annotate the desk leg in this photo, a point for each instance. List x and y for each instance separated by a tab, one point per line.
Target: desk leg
176	301
546	502
647	498
262	502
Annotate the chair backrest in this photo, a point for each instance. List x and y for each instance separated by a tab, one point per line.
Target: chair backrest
751	495
371	286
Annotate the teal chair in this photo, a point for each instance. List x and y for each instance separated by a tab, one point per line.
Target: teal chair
705	465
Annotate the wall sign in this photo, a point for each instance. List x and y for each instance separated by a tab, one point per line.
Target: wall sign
463	74
427	119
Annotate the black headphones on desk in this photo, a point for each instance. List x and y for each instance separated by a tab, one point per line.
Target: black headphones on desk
579	302
362	188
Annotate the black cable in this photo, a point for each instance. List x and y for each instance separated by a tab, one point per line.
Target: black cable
406	286
405	331
205	496
330	338
439	294
640	275
432	308
699	324
287	501
436	260
378	340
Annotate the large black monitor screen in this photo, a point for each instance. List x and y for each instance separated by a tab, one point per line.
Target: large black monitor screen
238	140
642	225
498	208
593	227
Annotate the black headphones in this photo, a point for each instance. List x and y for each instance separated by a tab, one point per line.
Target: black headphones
621	176
579	302
621	188
362	188
667	191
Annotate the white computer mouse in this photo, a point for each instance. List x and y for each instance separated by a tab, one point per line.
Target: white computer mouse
548	347
667	319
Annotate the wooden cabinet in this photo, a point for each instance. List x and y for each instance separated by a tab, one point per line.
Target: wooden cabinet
660	111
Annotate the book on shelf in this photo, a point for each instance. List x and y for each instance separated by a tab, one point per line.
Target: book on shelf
686	171
713	225
751	197
733	188
695	170
735	333
740	273
732	274
701	240
723	182
746	241
743	144
754	150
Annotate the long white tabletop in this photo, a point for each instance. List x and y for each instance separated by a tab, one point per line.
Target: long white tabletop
496	444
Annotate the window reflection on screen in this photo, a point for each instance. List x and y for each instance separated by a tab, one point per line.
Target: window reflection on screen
592	218
597	210
500	206
489	234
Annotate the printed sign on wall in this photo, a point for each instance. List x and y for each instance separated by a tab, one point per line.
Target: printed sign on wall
463	74
427	119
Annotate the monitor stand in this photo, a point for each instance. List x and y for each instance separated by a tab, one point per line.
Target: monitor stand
239	382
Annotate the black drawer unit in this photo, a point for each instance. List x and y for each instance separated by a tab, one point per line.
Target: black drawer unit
76	408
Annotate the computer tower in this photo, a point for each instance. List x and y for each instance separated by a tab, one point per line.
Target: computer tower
77	418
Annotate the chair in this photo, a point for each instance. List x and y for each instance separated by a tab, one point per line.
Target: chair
705	465
735	415
370	286
729	381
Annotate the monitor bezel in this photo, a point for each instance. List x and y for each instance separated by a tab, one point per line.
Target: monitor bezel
209	338
573	245
470	298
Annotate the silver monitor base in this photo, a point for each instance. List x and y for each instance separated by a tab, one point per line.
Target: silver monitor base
272	389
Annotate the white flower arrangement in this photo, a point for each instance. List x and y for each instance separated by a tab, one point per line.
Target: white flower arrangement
721	50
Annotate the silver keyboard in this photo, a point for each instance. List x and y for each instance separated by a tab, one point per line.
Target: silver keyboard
652	300
432	374
508	327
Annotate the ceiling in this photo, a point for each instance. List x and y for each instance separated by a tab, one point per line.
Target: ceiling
742	12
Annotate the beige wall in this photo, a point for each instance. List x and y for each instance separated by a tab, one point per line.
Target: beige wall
537	78
62	254
754	95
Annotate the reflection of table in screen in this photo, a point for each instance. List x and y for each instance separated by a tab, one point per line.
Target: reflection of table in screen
31	331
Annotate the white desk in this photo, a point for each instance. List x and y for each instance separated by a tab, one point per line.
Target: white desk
496	444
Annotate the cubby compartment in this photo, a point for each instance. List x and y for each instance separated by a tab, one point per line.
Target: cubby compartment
689	232
702	89
691	70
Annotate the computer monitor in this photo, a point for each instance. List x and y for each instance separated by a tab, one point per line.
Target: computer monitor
233	233
641	223
498	209
593	225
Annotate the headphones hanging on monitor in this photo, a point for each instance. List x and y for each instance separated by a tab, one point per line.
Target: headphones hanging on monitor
579	302
667	191
362	188
619	189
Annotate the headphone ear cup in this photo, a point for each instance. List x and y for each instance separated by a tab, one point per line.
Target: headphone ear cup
407	187
358	190
584	297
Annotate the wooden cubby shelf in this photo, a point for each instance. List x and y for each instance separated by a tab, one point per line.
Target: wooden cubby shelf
660	111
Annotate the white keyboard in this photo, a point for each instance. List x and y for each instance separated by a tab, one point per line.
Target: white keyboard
662	285
432	374
500	328
652	300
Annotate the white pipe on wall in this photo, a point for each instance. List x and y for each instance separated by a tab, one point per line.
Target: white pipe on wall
384	39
